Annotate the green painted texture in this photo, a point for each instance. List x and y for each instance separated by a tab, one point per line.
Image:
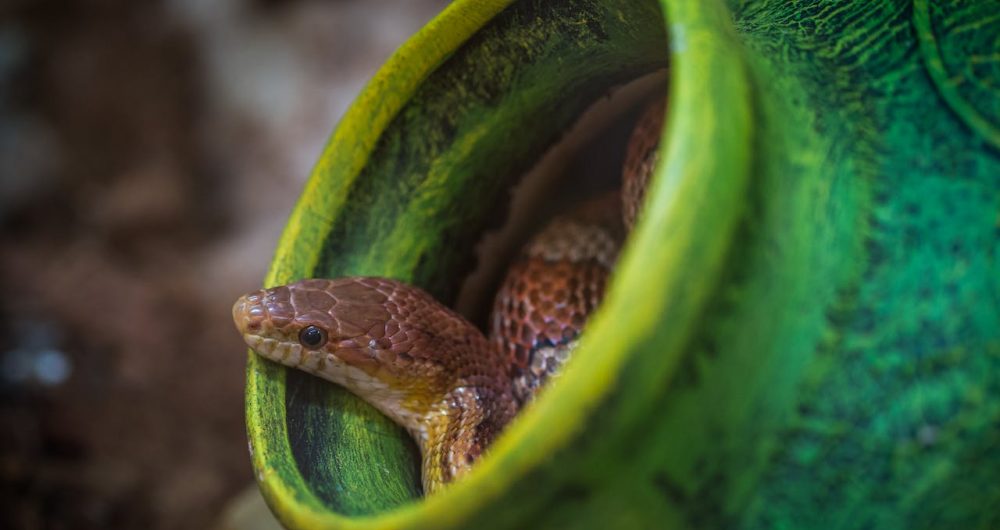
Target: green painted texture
804	329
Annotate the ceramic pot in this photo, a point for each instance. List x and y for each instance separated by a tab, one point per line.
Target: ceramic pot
803	330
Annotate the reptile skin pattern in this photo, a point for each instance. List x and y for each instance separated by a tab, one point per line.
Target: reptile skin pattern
425	366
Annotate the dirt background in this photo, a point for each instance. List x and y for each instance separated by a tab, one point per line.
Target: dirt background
150	152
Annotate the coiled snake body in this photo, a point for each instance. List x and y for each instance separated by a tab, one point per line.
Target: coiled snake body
425	366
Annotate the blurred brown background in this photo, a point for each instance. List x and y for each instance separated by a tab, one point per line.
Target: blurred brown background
150	152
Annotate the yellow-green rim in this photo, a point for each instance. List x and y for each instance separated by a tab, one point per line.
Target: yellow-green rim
701	58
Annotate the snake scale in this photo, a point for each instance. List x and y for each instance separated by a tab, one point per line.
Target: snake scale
428	368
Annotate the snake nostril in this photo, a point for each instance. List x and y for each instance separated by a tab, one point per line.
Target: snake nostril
253	326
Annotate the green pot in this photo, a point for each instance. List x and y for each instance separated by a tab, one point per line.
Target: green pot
804	329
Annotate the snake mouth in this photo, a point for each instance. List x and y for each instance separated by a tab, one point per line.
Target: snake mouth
251	318
276	350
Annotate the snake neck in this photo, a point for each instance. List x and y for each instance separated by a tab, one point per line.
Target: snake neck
396	347
453	437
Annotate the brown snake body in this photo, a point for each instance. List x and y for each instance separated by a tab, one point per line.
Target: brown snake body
428	368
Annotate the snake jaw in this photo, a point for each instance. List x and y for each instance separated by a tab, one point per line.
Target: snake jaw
277	351
253	321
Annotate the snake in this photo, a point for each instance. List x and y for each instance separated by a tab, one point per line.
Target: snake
426	367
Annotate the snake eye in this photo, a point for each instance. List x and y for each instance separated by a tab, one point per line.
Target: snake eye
312	337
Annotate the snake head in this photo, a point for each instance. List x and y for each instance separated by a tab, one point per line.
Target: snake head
391	344
314	323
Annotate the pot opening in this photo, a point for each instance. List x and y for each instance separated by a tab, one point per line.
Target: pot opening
534	109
